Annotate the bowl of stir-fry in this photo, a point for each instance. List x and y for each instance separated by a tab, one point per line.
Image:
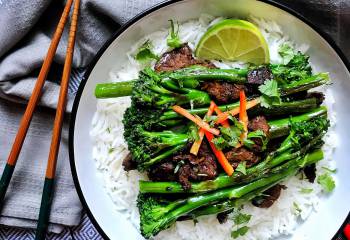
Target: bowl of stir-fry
214	119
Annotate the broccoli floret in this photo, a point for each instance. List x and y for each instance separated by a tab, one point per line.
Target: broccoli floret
153	210
298	68
150	91
148	148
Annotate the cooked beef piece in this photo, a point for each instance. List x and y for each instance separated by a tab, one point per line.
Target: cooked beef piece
310	172
163	172
179	58
128	163
259	123
259	76
241	154
270	196
185	167
196	168
223	92
222	217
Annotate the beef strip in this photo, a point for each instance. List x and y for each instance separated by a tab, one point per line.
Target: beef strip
128	163
185	167
258	123
196	168
163	172
270	196
179	58
310	172
223	92
259	75
241	154
223	216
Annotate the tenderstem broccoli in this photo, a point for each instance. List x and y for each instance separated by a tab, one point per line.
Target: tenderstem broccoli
303	137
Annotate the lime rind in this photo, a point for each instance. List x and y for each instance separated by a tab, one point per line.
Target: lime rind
253	49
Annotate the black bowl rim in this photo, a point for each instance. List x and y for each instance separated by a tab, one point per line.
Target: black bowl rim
123	28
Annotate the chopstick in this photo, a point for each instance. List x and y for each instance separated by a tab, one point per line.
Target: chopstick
47	195
33	100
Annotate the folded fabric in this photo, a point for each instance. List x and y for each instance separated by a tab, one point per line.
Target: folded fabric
26	28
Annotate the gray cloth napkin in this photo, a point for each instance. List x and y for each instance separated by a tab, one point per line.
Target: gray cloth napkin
25	31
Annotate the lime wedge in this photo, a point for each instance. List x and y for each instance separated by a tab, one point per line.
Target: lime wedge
233	39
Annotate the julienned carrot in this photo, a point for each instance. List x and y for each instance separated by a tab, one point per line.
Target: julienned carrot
197	121
225	123
243	116
219	155
196	145
225	115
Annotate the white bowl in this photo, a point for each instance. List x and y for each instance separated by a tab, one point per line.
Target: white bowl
325	55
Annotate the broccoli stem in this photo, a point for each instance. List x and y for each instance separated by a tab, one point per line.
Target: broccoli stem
231	204
190	77
203	74
284	108
280	127
305	84
198	201
114	90
145	165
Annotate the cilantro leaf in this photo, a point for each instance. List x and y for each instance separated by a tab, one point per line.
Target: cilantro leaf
173	39
296	69
230	136
255	134
220	143
326	181
269	88
239	232
193	132
145	54
306	190
296	207
242	168
240	218
270	93
286	52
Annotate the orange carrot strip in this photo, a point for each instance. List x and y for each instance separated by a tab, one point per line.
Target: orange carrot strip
197	121
243	116
224	116
197	144
219	155
225	123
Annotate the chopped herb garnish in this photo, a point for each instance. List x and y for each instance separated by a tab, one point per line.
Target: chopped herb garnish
297	208
306	190
145	53
239	232
193	130
270	93
240	218
286	52
230	136
110	150
173	39
248	142
326	181
330	170
242	167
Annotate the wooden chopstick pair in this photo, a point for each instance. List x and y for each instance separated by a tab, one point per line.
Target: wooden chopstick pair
47	194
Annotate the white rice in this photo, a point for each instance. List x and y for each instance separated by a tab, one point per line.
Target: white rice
110	149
